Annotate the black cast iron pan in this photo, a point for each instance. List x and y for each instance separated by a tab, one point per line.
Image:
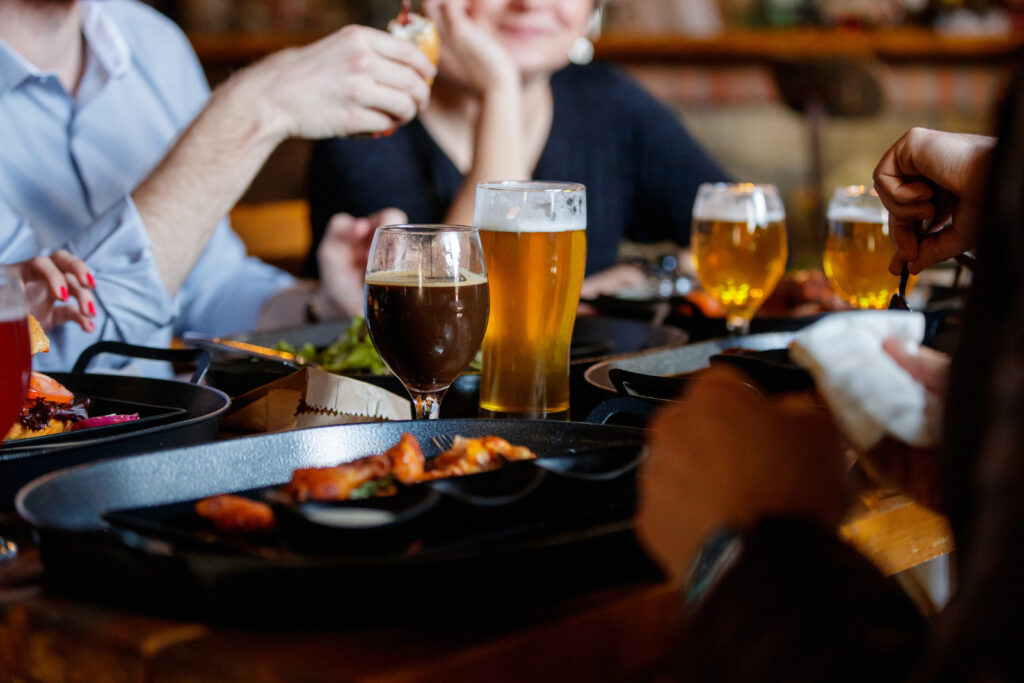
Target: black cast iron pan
552	540
593	338
171	414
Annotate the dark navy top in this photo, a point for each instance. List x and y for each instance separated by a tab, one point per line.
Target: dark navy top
639	165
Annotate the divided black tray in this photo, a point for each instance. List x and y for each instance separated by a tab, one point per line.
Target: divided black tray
149	416
126	530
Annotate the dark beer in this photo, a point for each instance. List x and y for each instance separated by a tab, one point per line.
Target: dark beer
426	331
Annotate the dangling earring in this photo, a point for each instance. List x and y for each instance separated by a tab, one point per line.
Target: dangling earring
582	49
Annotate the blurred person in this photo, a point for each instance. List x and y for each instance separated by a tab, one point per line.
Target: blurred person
751	486
113	150
508	105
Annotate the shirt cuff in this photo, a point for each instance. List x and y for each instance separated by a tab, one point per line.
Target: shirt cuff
131	300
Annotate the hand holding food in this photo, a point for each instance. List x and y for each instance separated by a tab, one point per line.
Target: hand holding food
355	80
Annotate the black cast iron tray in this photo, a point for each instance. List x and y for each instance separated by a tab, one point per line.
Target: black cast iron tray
562	536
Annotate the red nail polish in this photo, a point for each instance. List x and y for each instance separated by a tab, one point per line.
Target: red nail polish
91	325
92	308
91	279
63	293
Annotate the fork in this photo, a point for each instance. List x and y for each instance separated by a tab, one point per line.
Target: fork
898	302
442	442
942	200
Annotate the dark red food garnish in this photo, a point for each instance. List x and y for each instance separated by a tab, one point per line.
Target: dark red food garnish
103	421
37	413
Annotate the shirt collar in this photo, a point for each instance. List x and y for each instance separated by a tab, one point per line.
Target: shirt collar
105	39
103	36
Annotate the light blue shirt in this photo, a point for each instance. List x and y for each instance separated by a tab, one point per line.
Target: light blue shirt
69	163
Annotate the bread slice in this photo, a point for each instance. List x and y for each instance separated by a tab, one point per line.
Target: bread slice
37	339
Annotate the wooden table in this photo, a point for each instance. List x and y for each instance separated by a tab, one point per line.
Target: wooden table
613	634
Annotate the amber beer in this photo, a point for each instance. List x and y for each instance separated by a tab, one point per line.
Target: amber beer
738	239
534	240
857	255
858	249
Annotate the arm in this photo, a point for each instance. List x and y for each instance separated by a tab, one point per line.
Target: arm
475	60
908	179
727	456
797	604
355	80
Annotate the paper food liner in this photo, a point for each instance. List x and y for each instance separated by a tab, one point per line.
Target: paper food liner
313	398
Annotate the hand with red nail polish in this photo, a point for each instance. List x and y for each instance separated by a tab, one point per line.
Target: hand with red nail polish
58	289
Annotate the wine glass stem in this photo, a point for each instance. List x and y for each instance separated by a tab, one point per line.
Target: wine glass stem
428	406
737	325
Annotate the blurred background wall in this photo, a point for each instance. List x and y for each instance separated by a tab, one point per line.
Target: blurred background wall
803	93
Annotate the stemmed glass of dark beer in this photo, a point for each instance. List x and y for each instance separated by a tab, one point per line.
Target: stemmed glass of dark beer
426	305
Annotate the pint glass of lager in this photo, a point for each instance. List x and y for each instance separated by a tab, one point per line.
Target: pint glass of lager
534	239
738	240
858	248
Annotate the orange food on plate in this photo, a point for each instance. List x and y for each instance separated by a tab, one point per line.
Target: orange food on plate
373	475
44	387
49	407
235	514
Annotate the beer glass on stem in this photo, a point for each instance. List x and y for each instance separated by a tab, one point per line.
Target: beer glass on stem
15	361
534	237
426	302
738	240
858	248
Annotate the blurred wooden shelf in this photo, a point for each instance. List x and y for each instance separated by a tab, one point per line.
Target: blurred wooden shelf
910	45
753	46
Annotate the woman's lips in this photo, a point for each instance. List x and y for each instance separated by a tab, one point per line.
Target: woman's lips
525	31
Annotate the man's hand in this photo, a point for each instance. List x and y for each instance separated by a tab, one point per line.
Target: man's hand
342	256
726	456
932	176
356	80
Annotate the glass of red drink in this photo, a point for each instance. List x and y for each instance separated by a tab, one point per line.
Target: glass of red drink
15	358
426	304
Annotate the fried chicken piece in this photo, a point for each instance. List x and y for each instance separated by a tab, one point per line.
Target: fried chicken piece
236	515
496	444
336	483
470	456
407	461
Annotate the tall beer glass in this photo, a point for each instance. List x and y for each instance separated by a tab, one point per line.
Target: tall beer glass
739	243
858	248
534	238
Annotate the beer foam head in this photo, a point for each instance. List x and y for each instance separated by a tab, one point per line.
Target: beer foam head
738	203
412	278
530	206
856	204
858	214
